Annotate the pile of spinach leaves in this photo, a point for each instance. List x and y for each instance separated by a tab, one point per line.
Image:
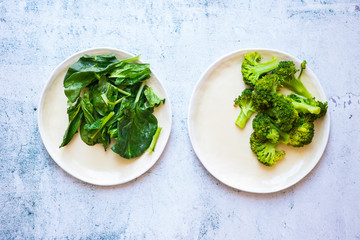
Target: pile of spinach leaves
109	99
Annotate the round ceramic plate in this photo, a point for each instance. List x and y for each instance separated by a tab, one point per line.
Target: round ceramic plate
91	163
224	149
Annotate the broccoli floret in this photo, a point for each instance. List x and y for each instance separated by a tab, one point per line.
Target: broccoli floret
305	105
252	69
265	128
302	133
286	72
265	90
282	112
310	117
266	152
245	102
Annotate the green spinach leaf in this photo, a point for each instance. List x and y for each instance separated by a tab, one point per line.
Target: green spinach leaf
131	73
136	128
88	110
152	100
74	114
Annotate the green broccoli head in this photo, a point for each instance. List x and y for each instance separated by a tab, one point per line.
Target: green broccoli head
252	58
302	133
265	128
269	83
266	152
282	112
252	69
245	102
265	90
286	71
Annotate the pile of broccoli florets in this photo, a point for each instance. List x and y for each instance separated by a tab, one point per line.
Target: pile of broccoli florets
279	118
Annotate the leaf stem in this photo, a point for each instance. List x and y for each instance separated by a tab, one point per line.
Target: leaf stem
154	140
107	101
139	92
122	91
108	117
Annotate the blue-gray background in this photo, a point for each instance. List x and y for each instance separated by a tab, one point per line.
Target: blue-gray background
177	198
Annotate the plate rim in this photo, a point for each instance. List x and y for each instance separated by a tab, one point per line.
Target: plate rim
50	80
203	77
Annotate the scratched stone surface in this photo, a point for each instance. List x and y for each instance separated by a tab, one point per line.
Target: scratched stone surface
177	198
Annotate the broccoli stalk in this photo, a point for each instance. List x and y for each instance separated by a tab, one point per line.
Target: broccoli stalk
243	117
252	69
305	105
245	102
286	71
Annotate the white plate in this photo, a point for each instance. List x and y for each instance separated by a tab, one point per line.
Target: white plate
91	163
224	149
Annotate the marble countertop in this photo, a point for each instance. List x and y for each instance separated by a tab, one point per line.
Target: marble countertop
177	198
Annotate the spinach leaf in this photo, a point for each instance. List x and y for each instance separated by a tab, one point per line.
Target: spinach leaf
91	64
136	128
76	82
100	102
105	138
87	107
86	135
152	99
96	132
88	110
74	114
130	73
98	125
113	131
135	132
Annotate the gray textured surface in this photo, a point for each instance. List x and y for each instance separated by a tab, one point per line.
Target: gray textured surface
177	198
